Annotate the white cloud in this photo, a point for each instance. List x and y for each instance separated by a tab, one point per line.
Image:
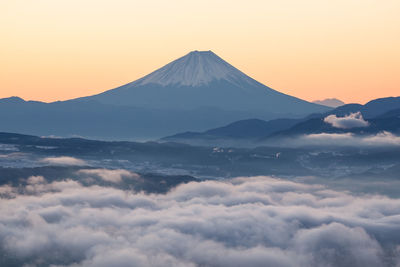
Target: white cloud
353	120
64	161
348	139
249	221
114	176
322	244
343	139
36	180
383	138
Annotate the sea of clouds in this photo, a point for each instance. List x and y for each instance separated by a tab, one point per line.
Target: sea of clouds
247	221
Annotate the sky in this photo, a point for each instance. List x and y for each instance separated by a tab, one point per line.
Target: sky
313	49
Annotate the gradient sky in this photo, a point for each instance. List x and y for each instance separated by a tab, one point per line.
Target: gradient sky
313	49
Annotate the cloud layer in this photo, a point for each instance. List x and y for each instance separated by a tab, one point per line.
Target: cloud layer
252	221
382	139
349	139
353	120
64	161
113	176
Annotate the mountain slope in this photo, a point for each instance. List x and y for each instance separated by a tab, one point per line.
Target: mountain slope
102	121
371	109
202	79
245	132
236	132
197	92
390	114
380	114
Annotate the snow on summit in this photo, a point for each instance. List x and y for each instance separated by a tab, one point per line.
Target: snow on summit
194	69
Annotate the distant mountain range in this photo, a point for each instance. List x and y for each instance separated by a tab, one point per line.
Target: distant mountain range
239	133
376	116
330	102
24	156
196	92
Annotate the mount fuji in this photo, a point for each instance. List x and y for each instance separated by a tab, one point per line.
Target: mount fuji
203	79
196	92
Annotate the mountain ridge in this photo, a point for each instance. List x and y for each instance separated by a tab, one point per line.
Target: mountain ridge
382	114
203	79
196	92
330	102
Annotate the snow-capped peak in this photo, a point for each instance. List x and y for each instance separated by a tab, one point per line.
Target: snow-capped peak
194	69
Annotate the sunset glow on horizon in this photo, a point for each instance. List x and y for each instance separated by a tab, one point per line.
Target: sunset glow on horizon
315	49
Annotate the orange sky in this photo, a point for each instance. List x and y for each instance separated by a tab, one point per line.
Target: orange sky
313	49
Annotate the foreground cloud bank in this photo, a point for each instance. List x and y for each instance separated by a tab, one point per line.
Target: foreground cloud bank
257	221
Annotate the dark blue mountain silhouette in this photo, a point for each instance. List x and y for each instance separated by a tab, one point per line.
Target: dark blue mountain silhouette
196	92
